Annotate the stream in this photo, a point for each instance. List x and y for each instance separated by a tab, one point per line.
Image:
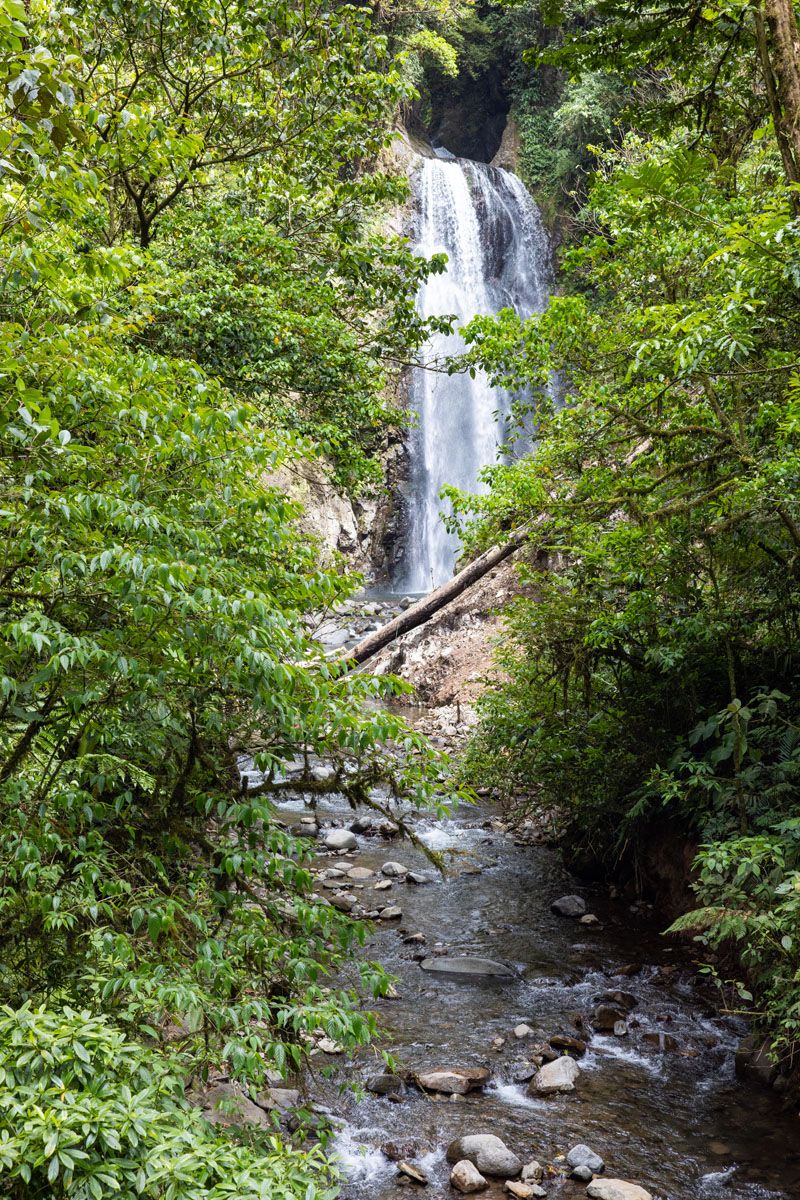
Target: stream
676	1121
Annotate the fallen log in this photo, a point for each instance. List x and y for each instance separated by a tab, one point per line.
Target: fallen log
425	608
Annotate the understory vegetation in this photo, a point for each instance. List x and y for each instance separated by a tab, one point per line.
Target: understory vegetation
195	291
653	673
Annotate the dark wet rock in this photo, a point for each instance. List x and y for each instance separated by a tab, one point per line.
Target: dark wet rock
558	1076
625	1000
412	1172
415	938
573	1045
467	1179
616	1189
340	839
469	968
454	1080
486	1152
606	1016
569	906
583	1156
663	1041
385	1085
344	901
628	969
753	1062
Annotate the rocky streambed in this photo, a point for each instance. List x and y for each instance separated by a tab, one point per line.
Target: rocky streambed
546	1040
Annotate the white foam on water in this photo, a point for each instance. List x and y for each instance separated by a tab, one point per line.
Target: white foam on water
359	1161
715	1179
621	1051
513	1094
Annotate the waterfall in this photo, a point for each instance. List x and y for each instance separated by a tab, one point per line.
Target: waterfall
498	257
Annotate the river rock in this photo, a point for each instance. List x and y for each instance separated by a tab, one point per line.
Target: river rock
394	870
344	901
454	1080
469	968
226	1104
558	1076
582	1174
583	1156
532	1172
523	1072
393	913
280	1098
383	886
616	1189
466	1178
486	1152
589	919
340	839
621	999
412	1172
523	1191
418	877
385	1085
523	1031
563	1041
361	873
569	906
620	1029
606	1016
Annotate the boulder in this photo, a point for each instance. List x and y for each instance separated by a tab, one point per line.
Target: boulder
486	1152
583	1156
394	870
340	839
616	1189
468	968
558	1076
454	1080
569	906
280	1098
227	1104
467	1179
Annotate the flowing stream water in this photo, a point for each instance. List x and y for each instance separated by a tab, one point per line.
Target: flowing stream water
675	1120
498	255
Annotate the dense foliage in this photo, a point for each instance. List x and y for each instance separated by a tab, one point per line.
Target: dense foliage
192	281
654	671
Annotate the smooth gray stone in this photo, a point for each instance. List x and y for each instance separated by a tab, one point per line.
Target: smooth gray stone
469	968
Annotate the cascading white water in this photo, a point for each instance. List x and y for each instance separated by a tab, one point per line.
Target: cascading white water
498	257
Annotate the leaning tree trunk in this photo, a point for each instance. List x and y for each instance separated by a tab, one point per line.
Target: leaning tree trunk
784	57
425	608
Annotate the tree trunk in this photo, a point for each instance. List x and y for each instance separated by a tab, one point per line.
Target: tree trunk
425	608
785	59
